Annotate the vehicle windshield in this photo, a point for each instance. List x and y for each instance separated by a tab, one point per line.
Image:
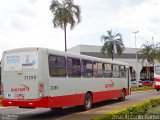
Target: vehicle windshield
20	61
157	70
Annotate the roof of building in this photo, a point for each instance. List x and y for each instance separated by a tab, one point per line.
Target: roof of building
94	50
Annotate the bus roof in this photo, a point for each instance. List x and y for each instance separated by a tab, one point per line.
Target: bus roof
69	54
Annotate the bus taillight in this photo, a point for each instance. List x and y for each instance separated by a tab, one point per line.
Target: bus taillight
1	89
41	88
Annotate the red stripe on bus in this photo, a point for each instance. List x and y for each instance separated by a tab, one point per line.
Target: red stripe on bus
62	101
156	80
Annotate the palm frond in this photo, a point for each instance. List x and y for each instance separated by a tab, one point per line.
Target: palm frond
65	13
110	41
148	53
54	6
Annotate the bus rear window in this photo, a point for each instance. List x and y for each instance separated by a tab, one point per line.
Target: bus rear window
157	70
20	61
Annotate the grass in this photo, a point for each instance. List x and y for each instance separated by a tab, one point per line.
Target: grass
142	88
147	108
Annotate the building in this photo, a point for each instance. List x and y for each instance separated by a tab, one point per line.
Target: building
138	70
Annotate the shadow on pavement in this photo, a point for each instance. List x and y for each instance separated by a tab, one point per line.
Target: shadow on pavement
51	114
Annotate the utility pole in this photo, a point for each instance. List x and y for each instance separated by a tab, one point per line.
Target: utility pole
137	74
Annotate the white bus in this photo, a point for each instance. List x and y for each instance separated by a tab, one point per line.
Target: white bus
157	77
40	77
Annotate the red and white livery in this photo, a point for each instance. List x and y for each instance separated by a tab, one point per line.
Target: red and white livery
157	77
40	77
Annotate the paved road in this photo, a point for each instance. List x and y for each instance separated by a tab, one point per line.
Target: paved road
74	113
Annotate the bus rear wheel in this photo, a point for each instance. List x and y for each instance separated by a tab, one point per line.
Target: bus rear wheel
157	89
123	95
87	102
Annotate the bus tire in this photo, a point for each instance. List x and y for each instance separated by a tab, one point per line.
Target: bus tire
123	95
87	102
157	89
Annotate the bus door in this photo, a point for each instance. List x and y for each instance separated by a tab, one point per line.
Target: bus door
20	75
128	80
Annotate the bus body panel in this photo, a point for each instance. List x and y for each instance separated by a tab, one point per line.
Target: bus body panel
56	91
157	83
22	76
72	94
66	89
157	77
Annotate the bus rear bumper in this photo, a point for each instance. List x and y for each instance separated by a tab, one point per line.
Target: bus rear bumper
42	102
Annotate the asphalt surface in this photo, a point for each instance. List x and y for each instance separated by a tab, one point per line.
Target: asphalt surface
73	113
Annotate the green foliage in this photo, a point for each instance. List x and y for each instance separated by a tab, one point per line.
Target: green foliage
111	41
155	102
154	111
139	109
65	12
149	52
142	88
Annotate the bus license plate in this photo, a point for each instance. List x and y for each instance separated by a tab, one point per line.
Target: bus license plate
19	96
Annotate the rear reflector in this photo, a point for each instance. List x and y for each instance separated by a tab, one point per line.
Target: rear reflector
40	88
1	88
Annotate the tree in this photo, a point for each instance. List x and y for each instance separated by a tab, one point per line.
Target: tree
157	48
148	53
111	42
65	13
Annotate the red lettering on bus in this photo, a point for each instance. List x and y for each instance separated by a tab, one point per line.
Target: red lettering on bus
109	85
23	88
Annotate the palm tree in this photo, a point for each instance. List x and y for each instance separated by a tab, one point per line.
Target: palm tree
112	41
157	48
65	13
148	53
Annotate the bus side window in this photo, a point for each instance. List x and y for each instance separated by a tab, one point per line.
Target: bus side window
157	70
86	68
73	67
115	71
107	70
57	66
122	71
97	69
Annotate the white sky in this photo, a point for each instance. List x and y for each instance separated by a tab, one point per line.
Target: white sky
28	23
